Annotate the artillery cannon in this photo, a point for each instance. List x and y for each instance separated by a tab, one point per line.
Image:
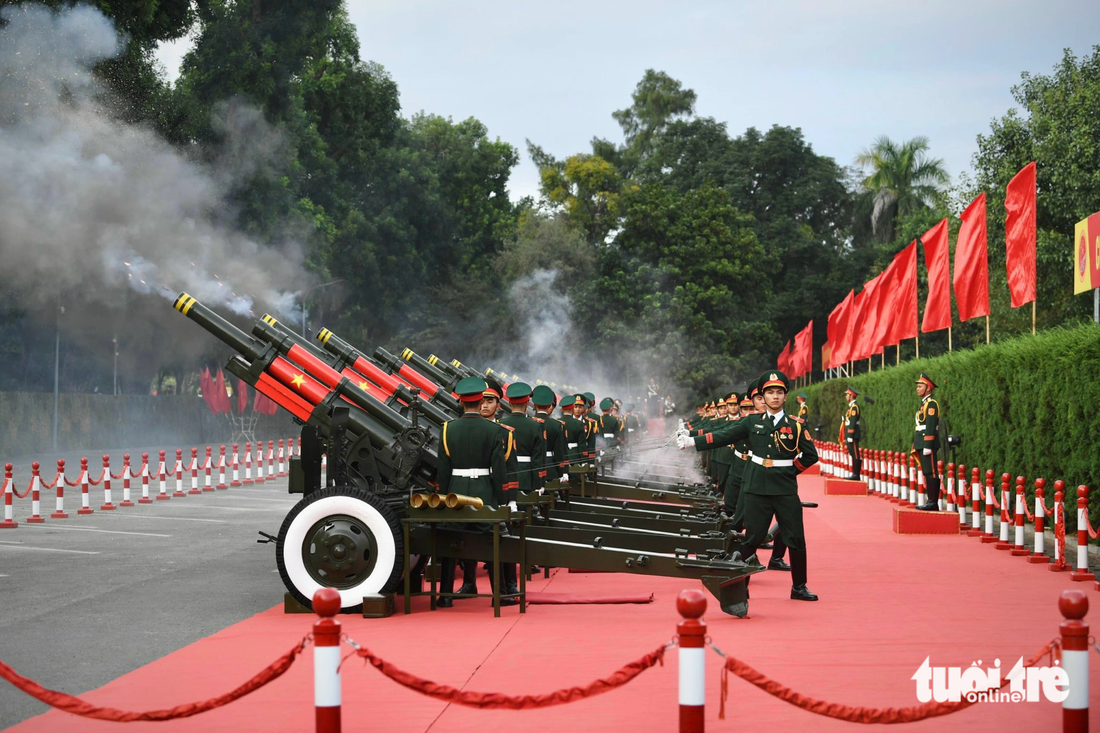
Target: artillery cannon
382	439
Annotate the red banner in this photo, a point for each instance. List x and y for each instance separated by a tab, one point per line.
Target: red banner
1020	236
865	324
937	258
221	395
903	295
835	351
972	263
802	360
242	397
782	362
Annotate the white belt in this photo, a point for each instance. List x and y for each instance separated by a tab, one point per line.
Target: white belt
740	455
922	427
770	462
549	454
523	459
571	445
630	430
609	435
470	472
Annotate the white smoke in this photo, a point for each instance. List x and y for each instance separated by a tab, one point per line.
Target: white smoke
92	205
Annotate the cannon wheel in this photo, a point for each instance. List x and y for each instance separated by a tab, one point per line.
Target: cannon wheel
342	538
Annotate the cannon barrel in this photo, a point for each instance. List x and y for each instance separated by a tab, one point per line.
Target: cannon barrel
433	389
425	367
447	368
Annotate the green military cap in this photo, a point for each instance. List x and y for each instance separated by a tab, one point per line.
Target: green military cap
579	401
495	385
607	403
470	389
852	392
801	395
518	392
746	401
924	378
752	388
542	395
591	398
774	378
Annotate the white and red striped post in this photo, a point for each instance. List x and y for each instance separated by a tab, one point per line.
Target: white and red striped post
247	464
259	461
235	466
892	477
958	498
903	491
326	661
179	474
975	503
85	500
194	469
207	485
126	480
1018	549
9	511
1074	604
106	479
162	477
692	633
1039	555
947	498
1059	564
298	446
1006	518
221	469
914	481
144	473
987	534
282	460
36	497
59	484
270	461
1082	572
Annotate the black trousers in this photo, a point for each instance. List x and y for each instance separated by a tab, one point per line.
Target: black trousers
721	475
786	509
931	473
857	462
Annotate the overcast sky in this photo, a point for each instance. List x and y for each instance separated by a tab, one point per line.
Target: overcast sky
844	72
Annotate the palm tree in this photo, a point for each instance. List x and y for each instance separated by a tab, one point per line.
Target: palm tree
903	180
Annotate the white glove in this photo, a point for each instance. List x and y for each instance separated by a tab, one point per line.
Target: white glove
851	440
927	451
512	507
684	442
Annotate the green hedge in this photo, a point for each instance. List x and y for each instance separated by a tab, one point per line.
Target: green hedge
1027	406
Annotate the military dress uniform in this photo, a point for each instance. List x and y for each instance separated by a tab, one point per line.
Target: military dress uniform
553	434
853	433
803	410
576	431
722	457
781	449
926	443
530	448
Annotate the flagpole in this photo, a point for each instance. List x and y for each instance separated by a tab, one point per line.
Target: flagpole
987	329
949	339
1033	318
918	345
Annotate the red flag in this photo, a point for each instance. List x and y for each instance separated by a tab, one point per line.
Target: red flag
855	321
1020	236
803	358
221	395
903	300
885	294
937	258
263	404
242	397
837	344
206	384
972	263
865	325
783	361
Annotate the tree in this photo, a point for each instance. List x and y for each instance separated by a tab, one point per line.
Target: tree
658	99
584	187
903	179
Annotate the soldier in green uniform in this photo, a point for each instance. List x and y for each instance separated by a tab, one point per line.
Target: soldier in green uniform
471	462
592	427
553	434
630	422
853	433
608	426
576	429
530	449
781	449
731	492
803	411
926	440
721	457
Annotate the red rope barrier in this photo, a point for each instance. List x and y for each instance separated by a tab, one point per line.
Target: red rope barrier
1060	534
76	706
98	480
514	702
25	493
1088	527
854	713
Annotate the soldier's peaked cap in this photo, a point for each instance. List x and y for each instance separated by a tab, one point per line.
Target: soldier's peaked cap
518	392
579	401
852	392
607	403
774	378
752	388
590	397
543	395
926	380
470	389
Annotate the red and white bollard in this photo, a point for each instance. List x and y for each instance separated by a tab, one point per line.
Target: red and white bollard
892	476
194	469
106	479
1018	549
9	511
949	480
1074	604
975	503
903	491
282	460
85	499
144	473
1082	572
221	469
162	477
125	480
36	497
326	661
59	482
179	474
259	461
207	486
990	499
692	633
1039	555
1059	564
270	461
235	466
247	464
1002	538
298	447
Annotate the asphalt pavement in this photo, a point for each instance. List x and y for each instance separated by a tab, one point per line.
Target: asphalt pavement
86	599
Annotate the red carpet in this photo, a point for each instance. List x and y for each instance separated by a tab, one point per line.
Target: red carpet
888	602
564	599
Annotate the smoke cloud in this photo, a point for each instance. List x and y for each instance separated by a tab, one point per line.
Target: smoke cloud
94	208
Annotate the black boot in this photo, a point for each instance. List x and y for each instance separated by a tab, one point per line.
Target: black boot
800	593
504	583
508	573
798	576
446	582
933	504
469	577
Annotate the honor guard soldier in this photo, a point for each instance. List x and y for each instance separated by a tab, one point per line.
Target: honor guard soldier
742	455
530	448
926	440
553	433
781	449
576	429
592	428
803	411
608	427
630	422
853	432
721	457
472	463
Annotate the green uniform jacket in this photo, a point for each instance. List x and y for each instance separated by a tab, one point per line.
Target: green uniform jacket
851	422
553	436
803	412
609	425
576	433
472	442
632	425
722	454
527	437
591	429
927	434
785	441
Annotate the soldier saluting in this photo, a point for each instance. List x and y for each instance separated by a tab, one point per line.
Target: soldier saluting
853	433
926	440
